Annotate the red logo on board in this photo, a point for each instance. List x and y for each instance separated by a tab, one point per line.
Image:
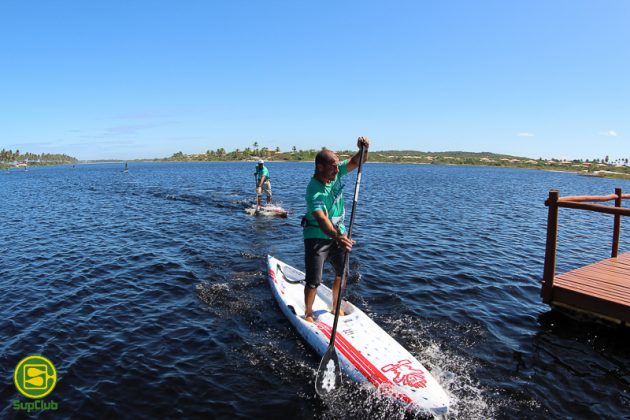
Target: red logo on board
406	375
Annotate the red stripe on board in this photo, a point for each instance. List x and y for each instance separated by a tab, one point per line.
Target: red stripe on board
273	277
363	365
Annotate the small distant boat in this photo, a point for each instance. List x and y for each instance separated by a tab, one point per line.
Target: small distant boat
126	169
595	174
268	210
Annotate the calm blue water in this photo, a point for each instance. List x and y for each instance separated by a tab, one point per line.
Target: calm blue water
147	290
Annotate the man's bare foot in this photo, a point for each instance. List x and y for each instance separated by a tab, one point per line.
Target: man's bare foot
309	319
341	312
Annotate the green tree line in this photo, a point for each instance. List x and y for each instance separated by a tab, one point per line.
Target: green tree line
7	156
605	166
245	154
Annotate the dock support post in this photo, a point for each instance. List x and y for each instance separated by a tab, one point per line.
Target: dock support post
617	225
550	250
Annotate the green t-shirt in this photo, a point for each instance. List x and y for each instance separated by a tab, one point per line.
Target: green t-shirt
260	172
328	198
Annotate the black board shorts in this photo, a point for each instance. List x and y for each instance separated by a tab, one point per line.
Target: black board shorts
316	253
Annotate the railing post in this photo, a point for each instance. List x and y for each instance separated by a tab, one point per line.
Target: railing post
550	250
617	226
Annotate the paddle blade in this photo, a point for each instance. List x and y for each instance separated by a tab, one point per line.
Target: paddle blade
329	374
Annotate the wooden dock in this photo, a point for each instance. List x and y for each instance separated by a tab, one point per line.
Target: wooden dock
601	289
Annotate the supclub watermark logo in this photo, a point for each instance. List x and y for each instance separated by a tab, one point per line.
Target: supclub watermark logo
35	377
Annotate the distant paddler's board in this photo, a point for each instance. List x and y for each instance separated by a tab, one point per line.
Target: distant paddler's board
266	211
366	352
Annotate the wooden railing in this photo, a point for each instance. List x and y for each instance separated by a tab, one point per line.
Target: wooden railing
577	202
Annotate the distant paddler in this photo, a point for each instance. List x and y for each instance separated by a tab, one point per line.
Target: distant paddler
325	237
262	183
126	169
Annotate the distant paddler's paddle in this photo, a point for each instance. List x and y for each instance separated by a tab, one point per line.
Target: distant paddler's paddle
329	374
256	209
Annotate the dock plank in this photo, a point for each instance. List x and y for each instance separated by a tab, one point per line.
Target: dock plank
593	279
614	296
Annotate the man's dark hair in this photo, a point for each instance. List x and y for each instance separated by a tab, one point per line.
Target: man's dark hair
324	157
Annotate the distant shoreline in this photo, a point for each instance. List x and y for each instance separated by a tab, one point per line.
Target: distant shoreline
595	174
484	159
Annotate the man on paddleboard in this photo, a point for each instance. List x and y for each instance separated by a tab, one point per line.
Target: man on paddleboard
325	236
262	182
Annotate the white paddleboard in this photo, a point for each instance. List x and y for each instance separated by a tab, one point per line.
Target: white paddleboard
269	210
366	353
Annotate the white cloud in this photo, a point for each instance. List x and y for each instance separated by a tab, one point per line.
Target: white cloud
525	135
611	133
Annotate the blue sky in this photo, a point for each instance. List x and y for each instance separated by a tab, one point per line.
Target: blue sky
145	79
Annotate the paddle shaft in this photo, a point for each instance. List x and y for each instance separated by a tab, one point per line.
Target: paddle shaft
346	256
329	374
